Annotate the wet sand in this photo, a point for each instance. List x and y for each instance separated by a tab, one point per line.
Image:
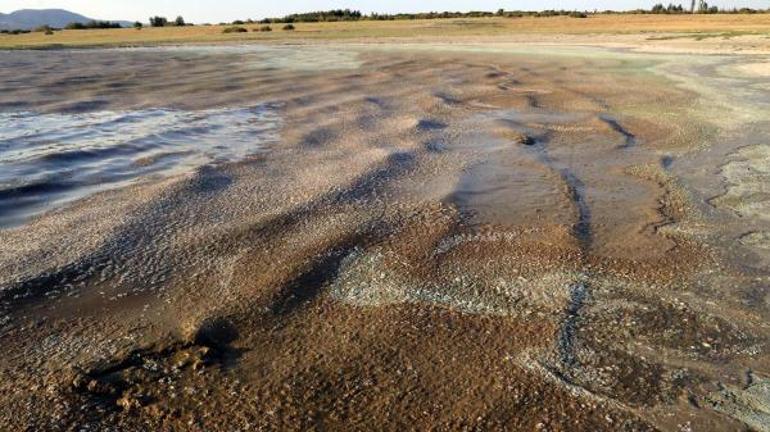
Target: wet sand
451	236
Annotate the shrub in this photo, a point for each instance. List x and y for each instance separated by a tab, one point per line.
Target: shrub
43	29
577	14
234	30
138	25
288	27
266	28
48	32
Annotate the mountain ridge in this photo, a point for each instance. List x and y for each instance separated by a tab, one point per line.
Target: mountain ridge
28	19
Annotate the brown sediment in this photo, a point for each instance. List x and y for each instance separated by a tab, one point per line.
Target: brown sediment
436	240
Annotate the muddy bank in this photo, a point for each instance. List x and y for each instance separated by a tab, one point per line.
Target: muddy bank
448	238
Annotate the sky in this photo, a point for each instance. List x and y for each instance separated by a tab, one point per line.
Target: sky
214	11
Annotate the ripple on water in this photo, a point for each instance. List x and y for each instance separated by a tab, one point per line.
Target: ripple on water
47	160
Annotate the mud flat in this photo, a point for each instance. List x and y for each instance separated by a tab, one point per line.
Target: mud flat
458	236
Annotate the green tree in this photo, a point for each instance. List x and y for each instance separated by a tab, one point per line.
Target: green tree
158	21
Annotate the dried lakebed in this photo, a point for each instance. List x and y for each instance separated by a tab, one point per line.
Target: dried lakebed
353	237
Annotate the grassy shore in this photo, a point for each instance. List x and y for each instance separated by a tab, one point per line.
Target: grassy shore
656	25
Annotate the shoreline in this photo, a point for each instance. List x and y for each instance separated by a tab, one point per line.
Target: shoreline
748	45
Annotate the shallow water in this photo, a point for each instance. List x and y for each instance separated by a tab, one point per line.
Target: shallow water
50	159
268	57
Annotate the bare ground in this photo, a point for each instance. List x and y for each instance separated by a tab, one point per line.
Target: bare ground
441	239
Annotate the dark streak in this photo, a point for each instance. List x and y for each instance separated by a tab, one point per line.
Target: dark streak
308	285
630	139
578	293
582	228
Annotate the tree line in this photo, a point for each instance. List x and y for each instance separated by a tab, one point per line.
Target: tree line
335	15
93	24
702	7
159	21
156	21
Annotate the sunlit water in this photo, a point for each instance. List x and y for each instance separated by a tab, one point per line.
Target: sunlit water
50	159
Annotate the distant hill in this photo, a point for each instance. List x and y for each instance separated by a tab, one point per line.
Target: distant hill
28	19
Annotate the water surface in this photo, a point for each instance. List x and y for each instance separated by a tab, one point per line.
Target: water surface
50	159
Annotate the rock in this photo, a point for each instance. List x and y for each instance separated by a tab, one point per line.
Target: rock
522	139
